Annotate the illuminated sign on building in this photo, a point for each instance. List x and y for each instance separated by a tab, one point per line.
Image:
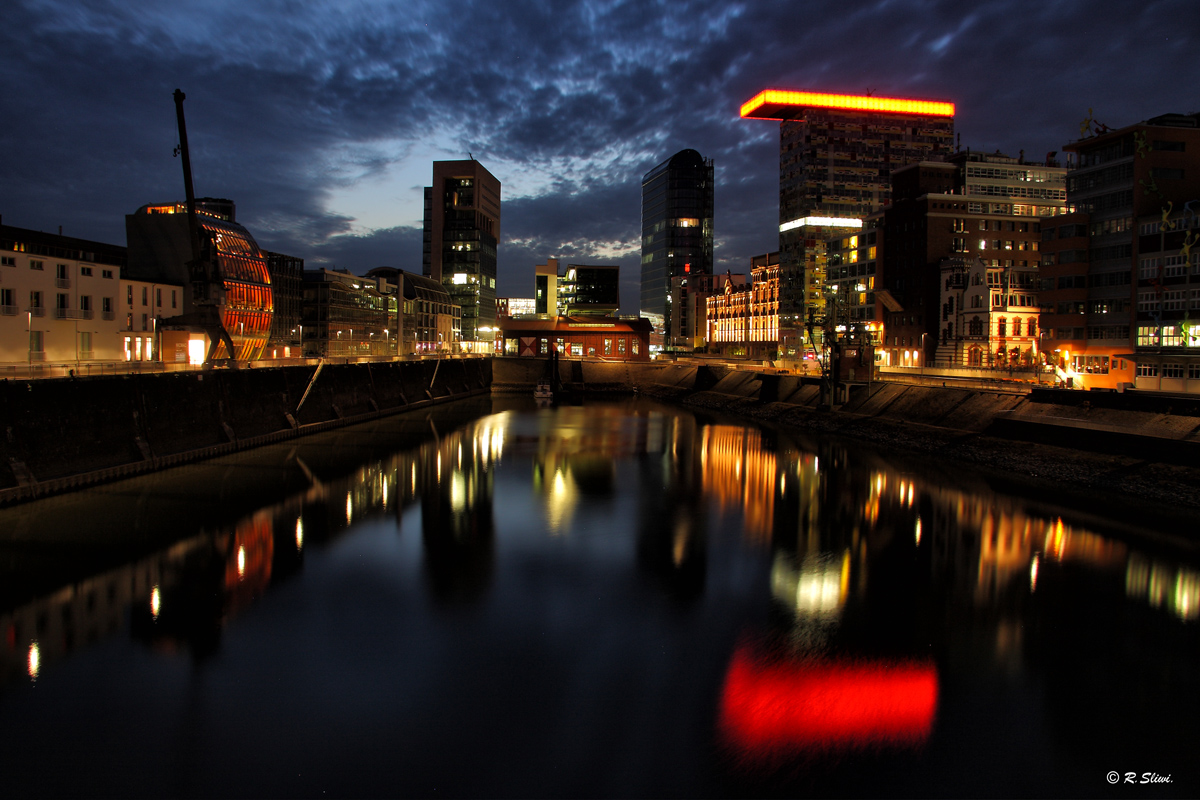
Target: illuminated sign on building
771	104
834	222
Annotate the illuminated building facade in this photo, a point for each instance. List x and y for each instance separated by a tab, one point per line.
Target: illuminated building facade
1140	186
345	315
745	321
461	232
607	338
677	231
689	307
429	320
142	304
160	250
836	157
58	299
515	306
990	316
985	206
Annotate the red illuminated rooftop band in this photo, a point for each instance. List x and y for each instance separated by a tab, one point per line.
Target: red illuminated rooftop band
775	103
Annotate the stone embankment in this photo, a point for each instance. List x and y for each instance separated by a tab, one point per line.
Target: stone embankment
1134	445
65	433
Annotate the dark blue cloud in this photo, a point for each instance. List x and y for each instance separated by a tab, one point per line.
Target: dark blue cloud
291	103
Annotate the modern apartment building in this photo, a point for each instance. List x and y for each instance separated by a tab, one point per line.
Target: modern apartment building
429	320
461	232
1140	187
58	299
287	297
578	289
347	315
677	231
837	154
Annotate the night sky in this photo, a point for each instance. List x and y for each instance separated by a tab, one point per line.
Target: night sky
321	119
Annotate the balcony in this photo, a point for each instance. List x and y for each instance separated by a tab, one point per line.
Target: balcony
72	313
38	311
62	283
108	315
8	311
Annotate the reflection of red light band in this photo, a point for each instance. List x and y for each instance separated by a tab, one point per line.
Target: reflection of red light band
826	705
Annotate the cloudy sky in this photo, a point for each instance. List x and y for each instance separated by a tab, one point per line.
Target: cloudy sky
321	119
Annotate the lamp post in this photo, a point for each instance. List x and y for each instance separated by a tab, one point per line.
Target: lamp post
29	339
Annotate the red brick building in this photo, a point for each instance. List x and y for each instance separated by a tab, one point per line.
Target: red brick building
607	338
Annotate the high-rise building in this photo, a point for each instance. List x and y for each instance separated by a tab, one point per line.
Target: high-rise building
461	231
836	157
677	230
1139	186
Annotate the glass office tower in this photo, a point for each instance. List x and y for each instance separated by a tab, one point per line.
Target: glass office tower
677	229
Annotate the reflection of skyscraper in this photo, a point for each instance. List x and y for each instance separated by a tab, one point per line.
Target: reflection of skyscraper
677	228
457	525
672	525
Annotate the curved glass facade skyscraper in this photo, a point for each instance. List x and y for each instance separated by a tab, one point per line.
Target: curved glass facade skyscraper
677	229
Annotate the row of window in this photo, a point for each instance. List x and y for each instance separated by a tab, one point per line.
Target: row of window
63	271
8	299
1168	371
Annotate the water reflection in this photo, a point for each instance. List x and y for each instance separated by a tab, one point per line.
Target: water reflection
824	603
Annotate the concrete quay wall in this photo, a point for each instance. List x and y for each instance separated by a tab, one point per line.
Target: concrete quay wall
66	433
1140	425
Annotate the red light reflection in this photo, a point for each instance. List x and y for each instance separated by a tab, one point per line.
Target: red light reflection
771	708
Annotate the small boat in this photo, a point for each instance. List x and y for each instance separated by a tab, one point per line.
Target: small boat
544	391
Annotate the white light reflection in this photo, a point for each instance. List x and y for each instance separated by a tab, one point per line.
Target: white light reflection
349	508
241	561
918	532
299	533
1033	573
458	492
818	588
34	661
155	602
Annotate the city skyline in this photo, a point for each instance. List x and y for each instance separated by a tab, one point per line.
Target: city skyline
322	125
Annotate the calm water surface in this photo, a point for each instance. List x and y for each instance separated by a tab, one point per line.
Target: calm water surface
615	599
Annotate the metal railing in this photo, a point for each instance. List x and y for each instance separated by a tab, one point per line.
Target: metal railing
36	366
